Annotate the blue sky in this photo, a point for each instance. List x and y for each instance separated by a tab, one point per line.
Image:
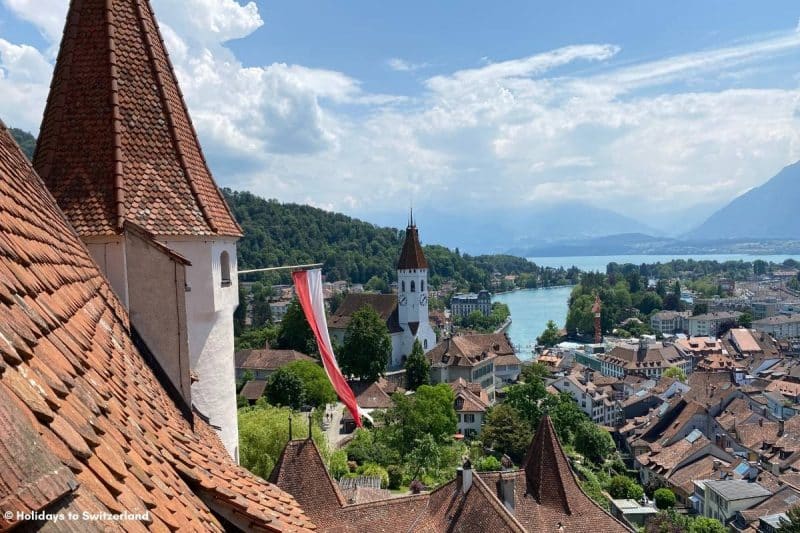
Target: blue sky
652	109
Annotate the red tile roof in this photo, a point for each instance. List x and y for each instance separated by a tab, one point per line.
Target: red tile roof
268	359
557	499
383	304
412	256
82	415
253	389
116	142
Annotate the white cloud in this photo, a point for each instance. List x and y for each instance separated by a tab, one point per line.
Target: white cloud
513	133
401	65
24	82
47	15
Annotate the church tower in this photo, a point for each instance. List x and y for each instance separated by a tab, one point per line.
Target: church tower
412	297
119	153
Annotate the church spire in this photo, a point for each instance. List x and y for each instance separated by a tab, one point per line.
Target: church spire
116	142
412	256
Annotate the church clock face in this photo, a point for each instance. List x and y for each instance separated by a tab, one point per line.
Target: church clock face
423	300
403	300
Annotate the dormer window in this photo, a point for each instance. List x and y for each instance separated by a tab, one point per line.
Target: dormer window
225	268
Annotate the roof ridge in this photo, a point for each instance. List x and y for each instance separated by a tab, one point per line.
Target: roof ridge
148	40
116	120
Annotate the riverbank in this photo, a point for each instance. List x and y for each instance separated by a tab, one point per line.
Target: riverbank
530	311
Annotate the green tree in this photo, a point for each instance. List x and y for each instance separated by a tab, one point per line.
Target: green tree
506	432
264	432
375	470
664	498
703	524
623	487
317	388
550	336
746	320
294	332
395	476
700	309
367	345
759	267
429	411
371	446
490	463
338	464
377	284
256	338
534	372
424	457
417	367
260	296
792	525
285	389
675	373
593	442
649	302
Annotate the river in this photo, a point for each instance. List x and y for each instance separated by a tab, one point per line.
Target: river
532	308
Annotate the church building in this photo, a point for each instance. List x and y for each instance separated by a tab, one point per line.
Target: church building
405	313
119	153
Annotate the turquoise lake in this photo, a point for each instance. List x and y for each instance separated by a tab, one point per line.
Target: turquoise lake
532	308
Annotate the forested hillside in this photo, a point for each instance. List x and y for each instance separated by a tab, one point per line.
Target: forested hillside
25	140
286	234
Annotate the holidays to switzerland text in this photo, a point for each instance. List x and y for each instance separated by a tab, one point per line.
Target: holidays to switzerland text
44	516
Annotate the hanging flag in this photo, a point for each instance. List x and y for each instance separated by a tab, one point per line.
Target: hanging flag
308	285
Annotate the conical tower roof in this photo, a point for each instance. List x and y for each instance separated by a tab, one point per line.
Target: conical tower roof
116	141
412	256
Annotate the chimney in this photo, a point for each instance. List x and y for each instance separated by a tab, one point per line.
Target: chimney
507	483
780	428
464	476
716	465
761	422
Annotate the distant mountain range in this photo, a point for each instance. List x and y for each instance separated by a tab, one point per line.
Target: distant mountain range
771	211
502	230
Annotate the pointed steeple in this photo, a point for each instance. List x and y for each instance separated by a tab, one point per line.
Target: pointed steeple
412	256
116	142
547	471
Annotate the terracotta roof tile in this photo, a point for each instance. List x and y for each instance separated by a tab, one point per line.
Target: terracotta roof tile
80	410
383	304
116	142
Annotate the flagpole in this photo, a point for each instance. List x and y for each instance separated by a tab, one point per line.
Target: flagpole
293	268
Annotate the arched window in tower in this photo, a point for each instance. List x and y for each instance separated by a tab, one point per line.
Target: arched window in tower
422	285
225	268
413	287
403	285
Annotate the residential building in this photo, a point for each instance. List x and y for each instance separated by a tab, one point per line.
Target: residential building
464	304
278	309
469	357
726	497
262	363
633	513
544	495
595	401
118	152
405	313
708	324
669	322
780	326
764	308
470	404
645	359
92	422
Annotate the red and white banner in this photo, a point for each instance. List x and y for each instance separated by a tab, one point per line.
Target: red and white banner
308	285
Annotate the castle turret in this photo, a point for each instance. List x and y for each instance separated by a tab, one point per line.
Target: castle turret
119	153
